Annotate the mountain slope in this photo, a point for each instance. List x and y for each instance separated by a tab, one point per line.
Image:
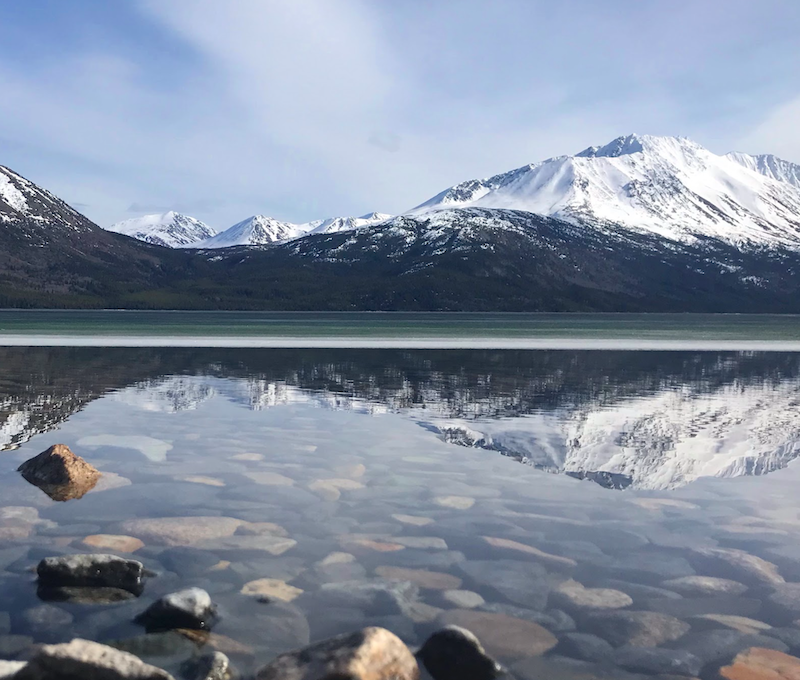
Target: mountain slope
169	229
667	186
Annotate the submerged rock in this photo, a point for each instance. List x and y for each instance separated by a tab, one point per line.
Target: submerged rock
181	531
454	653
699	586
658	661
369	654
503	636
88	661
635	628
585	647
762	664
60	473
738	565
91	570
572	596
189	608
212	666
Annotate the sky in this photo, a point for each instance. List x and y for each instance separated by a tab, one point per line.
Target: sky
307	109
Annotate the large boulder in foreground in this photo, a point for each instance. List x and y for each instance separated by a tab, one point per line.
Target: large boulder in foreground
368	654
107	571
84	660
60	473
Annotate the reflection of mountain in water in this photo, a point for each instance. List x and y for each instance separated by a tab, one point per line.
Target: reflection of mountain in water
647	419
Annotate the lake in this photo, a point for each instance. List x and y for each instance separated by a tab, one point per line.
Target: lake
573	507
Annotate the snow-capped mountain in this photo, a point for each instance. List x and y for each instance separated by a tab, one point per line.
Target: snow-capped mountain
23	201
668	186
261	230
170	229
769	166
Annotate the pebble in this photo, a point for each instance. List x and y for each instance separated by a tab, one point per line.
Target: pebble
737	565
115	543
694	586
271	588
189	608
572	596
421	577
270	478
201	479
181	531
455	502
742	624
91	570
413	520
464	599
45	618
523	583
584	646
762	664
635	628
555	561
421	542
658	661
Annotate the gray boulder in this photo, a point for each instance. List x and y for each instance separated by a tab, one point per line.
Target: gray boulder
94	570
190	608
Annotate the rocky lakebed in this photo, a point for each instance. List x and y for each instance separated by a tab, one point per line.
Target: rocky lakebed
166	546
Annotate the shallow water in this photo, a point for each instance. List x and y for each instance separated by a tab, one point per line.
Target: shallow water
443	462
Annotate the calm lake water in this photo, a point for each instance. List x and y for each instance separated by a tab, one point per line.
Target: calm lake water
375	487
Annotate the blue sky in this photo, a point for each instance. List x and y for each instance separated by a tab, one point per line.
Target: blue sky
314	108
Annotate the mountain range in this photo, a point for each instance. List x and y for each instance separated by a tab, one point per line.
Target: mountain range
640	224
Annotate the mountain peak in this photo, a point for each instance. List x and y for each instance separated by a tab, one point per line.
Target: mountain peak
170	229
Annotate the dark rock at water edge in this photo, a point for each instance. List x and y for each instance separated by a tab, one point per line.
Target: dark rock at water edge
190	608
92	570
454	653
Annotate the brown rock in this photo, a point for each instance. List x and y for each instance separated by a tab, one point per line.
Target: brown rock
87	661
127	544
271	588
434	580
503	636
757	663
572	596
181	531
635	628
369	654
736	564
60	473
371	544
541	556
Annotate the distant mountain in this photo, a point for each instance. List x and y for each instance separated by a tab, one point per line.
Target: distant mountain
769	166
170	229
261	230
668	186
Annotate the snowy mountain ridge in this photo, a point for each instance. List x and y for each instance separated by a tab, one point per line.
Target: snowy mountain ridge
261	230
668	186
170	229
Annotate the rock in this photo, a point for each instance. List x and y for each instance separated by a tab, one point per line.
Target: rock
421	542
87	661
697	606
213	666
640	592
663	504
12	645
463	599
572	596
655	566
585	647
91	570
331	489
181	531
336	558
84	594
413	520
635	628
369	654
554	620
699	586
742	624
274	545
785	601
738	565
189	608
421	577
201	479
270	478
503	636
655	661
762	664
554	561
8	669
371	544
455	502
722	645
789	636
126	544
389	596
523	583
262	529
188	562
271	588
45	618
58	466
454	653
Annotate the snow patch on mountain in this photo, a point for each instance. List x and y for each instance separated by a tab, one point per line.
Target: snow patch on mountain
669	186
170	229
769	166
